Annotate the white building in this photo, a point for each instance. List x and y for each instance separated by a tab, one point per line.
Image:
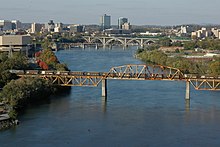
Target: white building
202	33
58	27
150	34
216	32
126	26
185	29
50	26
36	27
15	42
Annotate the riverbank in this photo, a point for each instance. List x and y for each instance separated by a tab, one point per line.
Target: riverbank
17	94
6	122
187	66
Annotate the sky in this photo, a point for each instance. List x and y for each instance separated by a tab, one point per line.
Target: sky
139	12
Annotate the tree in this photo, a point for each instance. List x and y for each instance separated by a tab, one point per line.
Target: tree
165	41
215	68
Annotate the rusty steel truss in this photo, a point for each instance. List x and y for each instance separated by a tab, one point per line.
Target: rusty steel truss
127	72
145	72
68	80
205	84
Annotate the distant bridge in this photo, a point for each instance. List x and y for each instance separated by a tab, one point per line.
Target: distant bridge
124	41
97	41
126	72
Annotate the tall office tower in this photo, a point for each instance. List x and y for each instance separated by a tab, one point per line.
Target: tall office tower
16	24
121	22
105	22
5	25
50	26
35	27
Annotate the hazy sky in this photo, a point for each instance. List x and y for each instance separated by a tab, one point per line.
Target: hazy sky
140	12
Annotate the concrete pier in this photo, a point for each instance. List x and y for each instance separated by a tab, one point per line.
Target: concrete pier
96	46
187	90
104	88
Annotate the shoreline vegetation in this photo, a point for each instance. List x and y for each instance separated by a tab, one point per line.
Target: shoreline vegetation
153	54
18	93
211	68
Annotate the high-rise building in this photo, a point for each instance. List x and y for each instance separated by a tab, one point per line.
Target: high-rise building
16	24
105	22
77	28
35	27
122	21
126	26
5	25
50	26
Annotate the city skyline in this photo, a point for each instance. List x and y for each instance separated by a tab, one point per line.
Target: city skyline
139	12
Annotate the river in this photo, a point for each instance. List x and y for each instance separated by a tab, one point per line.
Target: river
136	113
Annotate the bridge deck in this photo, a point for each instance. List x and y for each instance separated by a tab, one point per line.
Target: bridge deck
126	72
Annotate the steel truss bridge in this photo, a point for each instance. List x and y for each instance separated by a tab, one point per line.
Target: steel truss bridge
127	72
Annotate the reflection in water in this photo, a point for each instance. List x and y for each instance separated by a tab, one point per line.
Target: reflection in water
104	104
187	105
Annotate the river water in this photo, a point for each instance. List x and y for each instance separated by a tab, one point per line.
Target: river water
136	113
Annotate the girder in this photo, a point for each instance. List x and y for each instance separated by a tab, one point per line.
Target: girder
205	84
69	80
145	72
125	72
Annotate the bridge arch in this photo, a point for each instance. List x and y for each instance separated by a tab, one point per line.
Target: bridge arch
134	40
148	42
94	40
87	40
115	39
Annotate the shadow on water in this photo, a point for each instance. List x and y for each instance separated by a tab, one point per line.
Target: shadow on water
61	92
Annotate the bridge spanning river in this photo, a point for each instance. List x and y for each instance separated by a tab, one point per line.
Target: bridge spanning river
103	41
126	72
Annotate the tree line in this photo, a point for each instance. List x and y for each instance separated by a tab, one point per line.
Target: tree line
17	61
17	93
203	67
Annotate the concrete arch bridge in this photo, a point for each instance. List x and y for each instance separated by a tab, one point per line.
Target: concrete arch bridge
124	41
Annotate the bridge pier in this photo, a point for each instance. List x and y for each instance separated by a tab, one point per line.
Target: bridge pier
187	90
83	46
104	87
96	46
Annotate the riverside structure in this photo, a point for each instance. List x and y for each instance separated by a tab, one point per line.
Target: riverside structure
127	72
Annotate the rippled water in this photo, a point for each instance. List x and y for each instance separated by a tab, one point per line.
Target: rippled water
137	113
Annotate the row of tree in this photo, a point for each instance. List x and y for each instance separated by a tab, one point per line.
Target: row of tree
210	44
203	67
